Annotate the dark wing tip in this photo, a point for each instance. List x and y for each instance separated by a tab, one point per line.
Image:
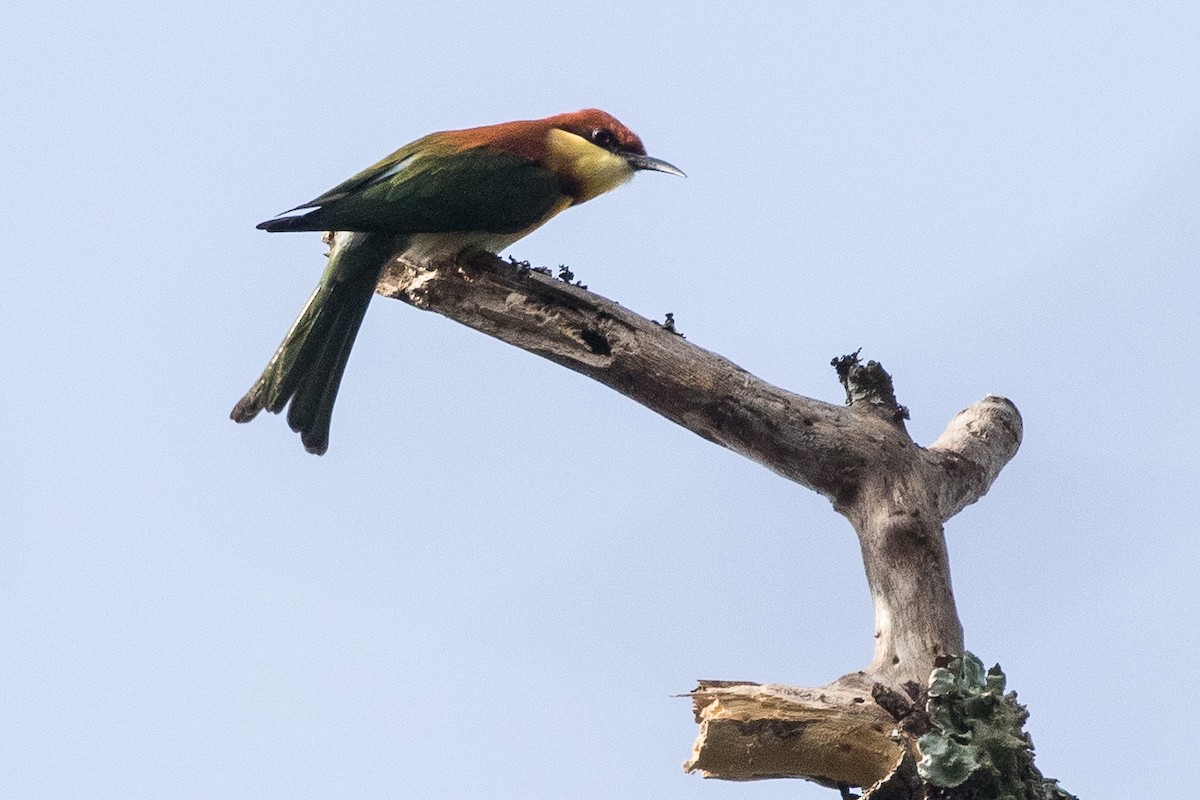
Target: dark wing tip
296	222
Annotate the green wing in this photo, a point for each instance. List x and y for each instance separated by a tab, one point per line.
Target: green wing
420	190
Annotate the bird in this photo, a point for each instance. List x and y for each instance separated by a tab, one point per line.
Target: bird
472	189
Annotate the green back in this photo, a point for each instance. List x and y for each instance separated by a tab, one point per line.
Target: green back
420	190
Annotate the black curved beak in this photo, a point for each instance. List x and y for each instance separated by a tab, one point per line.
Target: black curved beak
648	162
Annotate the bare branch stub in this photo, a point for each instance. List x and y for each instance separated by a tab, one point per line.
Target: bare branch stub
896	494
868	384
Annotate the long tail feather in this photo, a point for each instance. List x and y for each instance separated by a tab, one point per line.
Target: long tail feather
308	365
311	409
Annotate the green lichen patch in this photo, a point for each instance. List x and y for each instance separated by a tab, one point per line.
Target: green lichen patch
978	748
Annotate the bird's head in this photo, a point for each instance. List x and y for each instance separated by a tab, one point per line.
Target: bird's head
592	152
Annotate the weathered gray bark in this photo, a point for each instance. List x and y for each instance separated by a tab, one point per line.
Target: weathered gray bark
896	494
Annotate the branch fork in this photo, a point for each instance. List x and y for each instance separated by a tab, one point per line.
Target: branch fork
896	494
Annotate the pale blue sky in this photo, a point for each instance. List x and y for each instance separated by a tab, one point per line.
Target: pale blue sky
497	579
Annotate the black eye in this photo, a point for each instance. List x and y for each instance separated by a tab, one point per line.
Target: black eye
603	137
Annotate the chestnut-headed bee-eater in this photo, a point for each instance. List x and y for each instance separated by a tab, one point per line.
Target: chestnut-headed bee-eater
481	188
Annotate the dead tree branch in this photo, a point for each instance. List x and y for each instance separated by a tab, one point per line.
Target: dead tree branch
860	456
